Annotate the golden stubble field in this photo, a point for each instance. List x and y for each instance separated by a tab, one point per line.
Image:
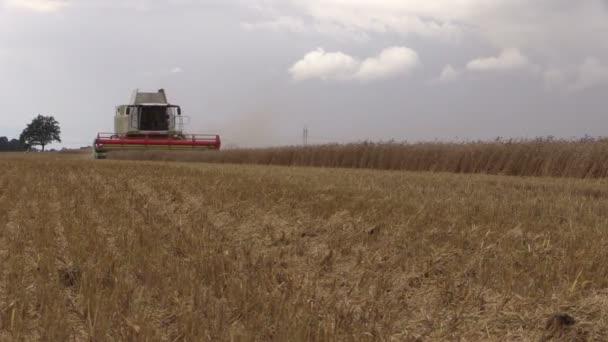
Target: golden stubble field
123	250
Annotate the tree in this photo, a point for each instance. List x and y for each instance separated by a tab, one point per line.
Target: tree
42	131
10	145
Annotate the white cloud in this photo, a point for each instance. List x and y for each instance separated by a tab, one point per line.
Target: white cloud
391	61
37	5
554	78
338	66
592	73
497	23
347	19
448	74
324	65
56	5
177	70
509	59
355	19
281	23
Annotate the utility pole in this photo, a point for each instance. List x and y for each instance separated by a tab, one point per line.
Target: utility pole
305	136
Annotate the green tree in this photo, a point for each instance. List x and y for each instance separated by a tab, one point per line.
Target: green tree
42	131
10	145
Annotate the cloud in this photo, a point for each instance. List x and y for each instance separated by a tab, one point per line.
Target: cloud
448	74
500	24
177	70
325	66
391	61
554	78
509	59
281	23
37	5
591	73
356	19
338	66
136	5
504	25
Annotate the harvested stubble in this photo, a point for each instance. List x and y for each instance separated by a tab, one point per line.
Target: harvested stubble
113	250
584	158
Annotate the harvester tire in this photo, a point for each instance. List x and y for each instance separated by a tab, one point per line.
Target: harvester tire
99	155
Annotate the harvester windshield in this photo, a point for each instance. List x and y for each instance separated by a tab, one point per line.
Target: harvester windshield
154	118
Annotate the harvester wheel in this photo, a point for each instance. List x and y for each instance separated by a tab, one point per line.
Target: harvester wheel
99	155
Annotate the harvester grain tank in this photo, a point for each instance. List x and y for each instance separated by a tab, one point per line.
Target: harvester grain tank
150	122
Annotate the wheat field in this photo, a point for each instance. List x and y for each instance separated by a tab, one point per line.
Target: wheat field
156	251
540	157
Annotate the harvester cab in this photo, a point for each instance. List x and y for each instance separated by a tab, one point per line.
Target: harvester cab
150	122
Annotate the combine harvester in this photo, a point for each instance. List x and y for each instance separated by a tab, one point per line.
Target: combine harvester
151	123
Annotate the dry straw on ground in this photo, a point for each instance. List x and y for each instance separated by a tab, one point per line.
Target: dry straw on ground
115	250
584	158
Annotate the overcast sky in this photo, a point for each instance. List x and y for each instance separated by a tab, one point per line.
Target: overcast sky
258	71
